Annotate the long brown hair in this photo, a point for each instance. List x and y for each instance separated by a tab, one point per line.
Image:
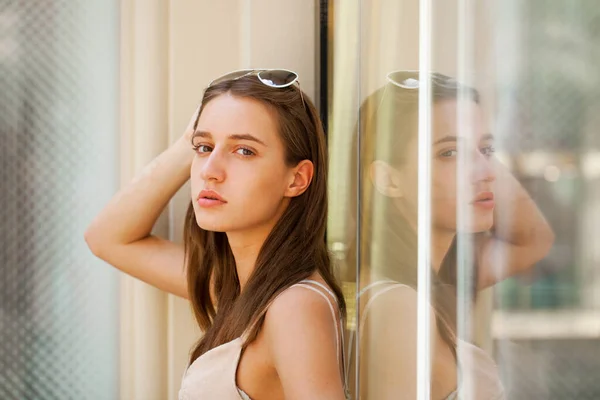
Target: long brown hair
388	121
294	249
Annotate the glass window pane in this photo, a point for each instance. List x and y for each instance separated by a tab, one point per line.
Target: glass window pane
513	168
545	319
58	125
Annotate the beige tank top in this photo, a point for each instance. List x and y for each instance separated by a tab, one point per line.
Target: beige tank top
478	372
213	374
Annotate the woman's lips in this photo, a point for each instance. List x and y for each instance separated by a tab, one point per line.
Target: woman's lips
207	203
210	198
484	200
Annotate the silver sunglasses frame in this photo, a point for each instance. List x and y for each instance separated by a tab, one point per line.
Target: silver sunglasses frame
233	75
241	73
413	83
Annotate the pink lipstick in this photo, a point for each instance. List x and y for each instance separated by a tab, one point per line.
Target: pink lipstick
209	198
484	200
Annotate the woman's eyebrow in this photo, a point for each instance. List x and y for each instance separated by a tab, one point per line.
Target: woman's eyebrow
452	138
449	138
246	136
202	134
235	136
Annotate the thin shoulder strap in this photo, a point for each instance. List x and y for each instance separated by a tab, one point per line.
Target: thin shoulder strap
335	299
390	285
339	328
333	296
303	283
336	322
374	284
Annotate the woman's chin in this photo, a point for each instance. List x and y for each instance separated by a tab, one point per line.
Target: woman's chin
212	226
479	227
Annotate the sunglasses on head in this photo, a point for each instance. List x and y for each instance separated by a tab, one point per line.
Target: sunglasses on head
275	78
411	79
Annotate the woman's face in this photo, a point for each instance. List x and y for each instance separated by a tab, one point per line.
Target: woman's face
474	193
238	176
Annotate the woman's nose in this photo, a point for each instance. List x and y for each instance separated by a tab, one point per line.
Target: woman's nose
482	169
213	168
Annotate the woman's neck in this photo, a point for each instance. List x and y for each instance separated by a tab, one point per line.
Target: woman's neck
245	260
441	240
245	247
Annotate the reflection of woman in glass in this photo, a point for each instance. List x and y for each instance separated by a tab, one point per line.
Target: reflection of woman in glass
508	233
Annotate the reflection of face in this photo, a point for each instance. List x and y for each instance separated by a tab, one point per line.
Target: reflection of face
478	182
239	158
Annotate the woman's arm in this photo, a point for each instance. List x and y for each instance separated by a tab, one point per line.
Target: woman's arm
521	236
300	335
121	233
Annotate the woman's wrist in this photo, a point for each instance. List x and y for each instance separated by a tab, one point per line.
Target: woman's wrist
183	148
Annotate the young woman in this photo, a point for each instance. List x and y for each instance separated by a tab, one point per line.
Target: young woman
254	263
507	232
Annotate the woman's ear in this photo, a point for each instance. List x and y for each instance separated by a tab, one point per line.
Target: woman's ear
301	178
386	179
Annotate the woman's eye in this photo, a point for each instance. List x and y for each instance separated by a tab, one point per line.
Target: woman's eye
244	152
488	150
202	148
448	153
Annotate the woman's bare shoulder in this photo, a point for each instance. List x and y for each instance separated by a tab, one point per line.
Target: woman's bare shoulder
393	307
299	305
389	294
300	334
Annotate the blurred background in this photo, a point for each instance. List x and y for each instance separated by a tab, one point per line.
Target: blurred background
91	91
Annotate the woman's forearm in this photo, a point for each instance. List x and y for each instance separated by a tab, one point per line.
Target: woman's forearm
517	219
132	212
520	237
